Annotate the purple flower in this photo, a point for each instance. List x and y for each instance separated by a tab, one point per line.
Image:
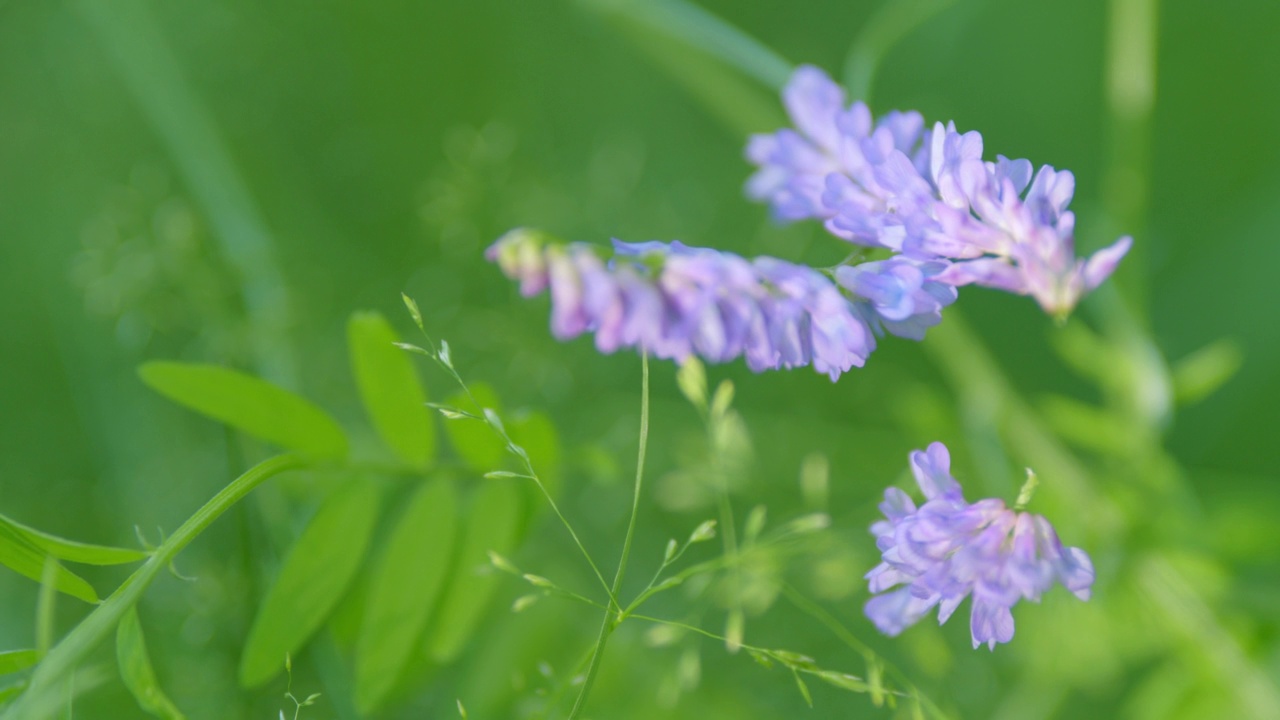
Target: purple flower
902	295
947	549
675	301
926	194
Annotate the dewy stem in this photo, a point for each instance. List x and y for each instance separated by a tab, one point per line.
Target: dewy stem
610	620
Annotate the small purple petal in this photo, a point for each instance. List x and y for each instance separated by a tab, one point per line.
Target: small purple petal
1101	264
990	624
947	550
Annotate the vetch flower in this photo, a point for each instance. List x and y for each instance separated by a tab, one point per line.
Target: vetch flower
675	301
947	549
927	194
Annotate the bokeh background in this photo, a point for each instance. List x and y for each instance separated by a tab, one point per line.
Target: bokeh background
226	181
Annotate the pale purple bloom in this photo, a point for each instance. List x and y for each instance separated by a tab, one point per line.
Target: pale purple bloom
947	549
675	301
903	295
926	194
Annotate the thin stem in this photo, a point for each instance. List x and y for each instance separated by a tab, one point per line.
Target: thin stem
768	542
561	687
43	693
837	628
776	655
514	450
610	621
635	497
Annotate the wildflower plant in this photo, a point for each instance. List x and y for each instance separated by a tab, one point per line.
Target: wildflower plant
415	547
937	217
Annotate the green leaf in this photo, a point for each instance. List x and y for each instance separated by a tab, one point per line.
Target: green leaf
46	693
404	589
1088	426
23	557
474	441
11	661
136	670
1200	374
11	691
492	526
73	551
692	380
389	387
312	580
250	404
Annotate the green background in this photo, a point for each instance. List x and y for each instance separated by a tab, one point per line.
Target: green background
227	181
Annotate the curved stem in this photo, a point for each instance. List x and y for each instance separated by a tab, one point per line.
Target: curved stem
635	498
44	693
488	419
611	621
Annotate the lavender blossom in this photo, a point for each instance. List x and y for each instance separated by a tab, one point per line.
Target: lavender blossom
927	194
947	549
675	301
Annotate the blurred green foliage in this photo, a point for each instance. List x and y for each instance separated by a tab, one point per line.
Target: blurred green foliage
225	182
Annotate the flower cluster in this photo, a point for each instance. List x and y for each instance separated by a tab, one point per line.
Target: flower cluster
925	193
947	549
939	215
674	301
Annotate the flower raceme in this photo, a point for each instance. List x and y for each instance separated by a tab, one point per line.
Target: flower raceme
925	193
675	301
937	215
941	552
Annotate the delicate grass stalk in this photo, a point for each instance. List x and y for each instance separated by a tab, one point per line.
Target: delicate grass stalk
837	628
779	656
635	497
45	606
446	363
43	693
611	621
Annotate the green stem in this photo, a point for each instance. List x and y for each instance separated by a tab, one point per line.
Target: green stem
837	628
635	497
611	621
44	693
447	366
